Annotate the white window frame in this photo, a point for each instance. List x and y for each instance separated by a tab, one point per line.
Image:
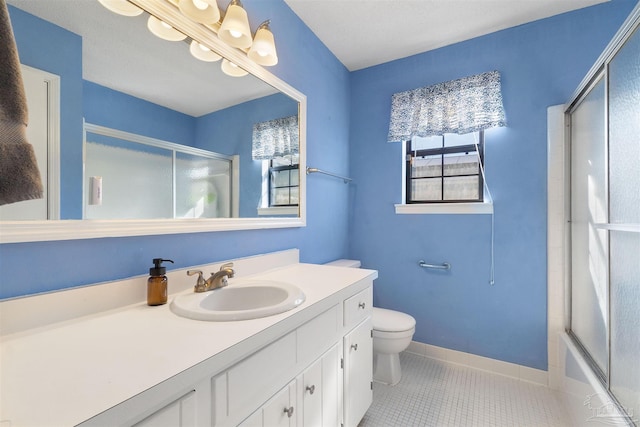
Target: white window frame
472	207
264	209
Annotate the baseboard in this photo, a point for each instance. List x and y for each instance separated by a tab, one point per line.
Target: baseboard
512	370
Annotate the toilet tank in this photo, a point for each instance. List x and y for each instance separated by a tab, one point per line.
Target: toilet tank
351	263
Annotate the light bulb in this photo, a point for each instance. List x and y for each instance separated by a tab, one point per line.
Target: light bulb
200	4
163	30
231	69
121	7
234	29
202	52
263	49
202	11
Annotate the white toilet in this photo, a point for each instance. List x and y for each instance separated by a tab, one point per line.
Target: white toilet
392	333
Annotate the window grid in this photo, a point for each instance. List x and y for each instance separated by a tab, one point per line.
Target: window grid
443	152
290	187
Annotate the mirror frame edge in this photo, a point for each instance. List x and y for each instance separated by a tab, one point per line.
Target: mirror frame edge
51	230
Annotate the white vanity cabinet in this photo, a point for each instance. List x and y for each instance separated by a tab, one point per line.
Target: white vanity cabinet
358	357
358	373
311	400
320	387
279	411
310	367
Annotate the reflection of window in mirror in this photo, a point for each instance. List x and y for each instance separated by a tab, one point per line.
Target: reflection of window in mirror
280	186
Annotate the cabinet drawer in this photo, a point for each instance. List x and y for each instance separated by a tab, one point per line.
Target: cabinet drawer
318	334
250	382
357	307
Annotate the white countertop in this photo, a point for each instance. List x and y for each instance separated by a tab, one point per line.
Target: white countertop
66	373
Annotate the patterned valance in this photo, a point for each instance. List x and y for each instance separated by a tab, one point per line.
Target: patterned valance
275	138
458	106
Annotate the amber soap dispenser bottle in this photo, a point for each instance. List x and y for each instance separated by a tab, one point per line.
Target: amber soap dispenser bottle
157	283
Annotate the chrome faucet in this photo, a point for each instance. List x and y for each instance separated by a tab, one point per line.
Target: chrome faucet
215	281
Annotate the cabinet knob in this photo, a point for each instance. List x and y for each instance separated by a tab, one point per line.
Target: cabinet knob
362	305
354	346
289	411
311	388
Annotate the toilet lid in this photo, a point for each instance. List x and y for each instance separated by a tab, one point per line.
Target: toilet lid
389	320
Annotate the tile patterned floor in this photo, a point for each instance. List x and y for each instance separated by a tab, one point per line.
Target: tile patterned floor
440	394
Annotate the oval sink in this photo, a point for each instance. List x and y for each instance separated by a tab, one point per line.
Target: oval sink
248	299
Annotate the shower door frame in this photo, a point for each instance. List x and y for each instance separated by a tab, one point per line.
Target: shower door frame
599	71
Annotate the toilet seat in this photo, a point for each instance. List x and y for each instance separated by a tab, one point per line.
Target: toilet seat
392	321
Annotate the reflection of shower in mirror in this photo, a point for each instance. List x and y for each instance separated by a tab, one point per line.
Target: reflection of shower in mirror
146	178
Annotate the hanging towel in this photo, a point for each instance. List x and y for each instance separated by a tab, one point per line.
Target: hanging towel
19	174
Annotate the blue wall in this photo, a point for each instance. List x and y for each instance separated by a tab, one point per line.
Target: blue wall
306	64
106	107
230	132
541	64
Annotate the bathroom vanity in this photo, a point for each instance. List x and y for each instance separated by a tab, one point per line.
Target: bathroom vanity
141	365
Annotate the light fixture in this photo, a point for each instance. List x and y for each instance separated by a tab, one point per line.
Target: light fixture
231	69
202	11
121	7
163	30
263	49
203	53
235	29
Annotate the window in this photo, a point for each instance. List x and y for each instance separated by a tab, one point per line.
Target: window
283	181
444	169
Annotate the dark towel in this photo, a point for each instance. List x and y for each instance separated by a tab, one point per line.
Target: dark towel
19	174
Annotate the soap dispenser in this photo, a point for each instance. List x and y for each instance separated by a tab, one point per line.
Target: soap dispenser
157	283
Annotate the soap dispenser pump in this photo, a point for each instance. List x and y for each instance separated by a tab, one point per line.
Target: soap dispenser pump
157	283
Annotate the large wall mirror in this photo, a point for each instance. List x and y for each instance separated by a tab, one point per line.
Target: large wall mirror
145	138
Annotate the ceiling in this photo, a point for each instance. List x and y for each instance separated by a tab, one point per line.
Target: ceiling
363	33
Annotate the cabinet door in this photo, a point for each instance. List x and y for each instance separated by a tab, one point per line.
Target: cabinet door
254	420
312	395
320	389
331	387
358	373
279	411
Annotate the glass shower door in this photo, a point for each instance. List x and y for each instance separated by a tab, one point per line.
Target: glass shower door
203	187
605	224
136	179
589	244
624	179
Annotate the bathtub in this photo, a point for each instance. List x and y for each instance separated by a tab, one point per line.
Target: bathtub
586	400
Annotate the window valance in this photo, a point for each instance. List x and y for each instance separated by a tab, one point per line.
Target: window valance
458	106
275	138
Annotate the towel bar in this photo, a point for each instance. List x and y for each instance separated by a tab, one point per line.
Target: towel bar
316	170
443	266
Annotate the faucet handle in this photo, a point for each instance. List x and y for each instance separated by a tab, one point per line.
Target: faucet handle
200	284
228	267
194	272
